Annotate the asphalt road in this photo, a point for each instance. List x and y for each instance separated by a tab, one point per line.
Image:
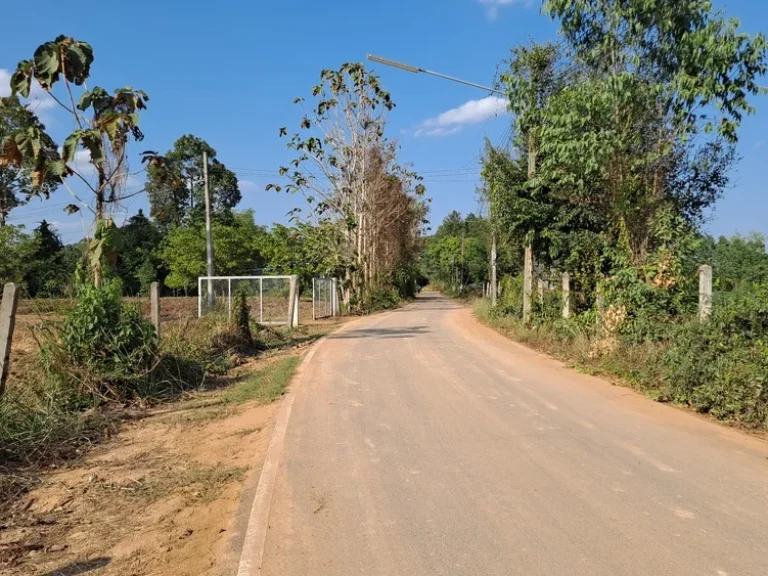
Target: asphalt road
422	443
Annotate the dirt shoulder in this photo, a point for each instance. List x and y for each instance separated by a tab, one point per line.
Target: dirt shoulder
499	341
158	498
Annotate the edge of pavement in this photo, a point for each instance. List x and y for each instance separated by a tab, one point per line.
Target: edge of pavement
246	546
609	386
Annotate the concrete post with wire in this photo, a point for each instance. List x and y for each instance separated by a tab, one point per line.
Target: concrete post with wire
314	291
527	283
293	302
566	295
335	296
705	292
7	325
154	300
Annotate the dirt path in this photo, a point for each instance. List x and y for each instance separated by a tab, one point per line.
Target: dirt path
423	443
158	499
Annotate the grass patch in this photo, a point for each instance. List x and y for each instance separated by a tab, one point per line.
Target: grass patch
197	480
265	385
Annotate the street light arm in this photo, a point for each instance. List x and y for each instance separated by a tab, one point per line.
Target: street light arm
451	78
416	70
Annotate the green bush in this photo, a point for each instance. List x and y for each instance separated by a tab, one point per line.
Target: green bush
510	299
383	299
721	366
244	318
107	337
404	279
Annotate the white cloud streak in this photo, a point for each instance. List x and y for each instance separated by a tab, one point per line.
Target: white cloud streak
454	120
247	185
492	6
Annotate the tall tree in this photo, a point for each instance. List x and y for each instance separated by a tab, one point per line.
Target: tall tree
176	188
664	89
104	123
236	239
138	265
18	249
345	168
47	275
16	180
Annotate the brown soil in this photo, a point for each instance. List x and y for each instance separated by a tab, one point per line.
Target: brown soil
158	499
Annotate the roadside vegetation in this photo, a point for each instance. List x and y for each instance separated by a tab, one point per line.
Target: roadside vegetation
95	354
623	139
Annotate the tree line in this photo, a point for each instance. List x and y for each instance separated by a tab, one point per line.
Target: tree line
624	137
366	209
623	140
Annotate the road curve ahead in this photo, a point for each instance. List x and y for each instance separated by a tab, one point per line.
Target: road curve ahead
422	443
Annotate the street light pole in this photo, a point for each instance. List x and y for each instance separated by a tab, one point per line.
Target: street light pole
418	70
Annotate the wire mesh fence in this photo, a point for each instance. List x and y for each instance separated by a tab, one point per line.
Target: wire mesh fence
323	298
268	297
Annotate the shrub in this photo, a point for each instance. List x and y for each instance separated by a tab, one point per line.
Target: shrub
107	337
721	366
380	299
244	318
510	298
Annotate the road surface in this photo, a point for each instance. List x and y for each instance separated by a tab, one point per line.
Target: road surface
422	443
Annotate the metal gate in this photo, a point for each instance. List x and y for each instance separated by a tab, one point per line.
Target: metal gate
324	298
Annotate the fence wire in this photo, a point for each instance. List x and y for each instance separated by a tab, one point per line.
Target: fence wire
322	297
268	297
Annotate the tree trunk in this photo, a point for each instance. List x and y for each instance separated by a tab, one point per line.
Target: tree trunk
3	207
98	273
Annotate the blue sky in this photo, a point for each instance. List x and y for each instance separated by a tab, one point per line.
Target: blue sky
228	72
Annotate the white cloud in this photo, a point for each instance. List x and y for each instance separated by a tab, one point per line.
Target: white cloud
39	100
760	144
492	6
454	120
247	184
81	163
438	131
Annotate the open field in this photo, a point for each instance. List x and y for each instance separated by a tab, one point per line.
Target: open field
37	313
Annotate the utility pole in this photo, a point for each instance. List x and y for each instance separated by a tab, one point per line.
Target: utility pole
528	262
208	236
463	236
494	285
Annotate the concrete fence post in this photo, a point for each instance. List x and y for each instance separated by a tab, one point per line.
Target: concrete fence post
705	292
599	301
314	313
7	324
335	296
293	304
566	295
527	283
154	300
296	305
